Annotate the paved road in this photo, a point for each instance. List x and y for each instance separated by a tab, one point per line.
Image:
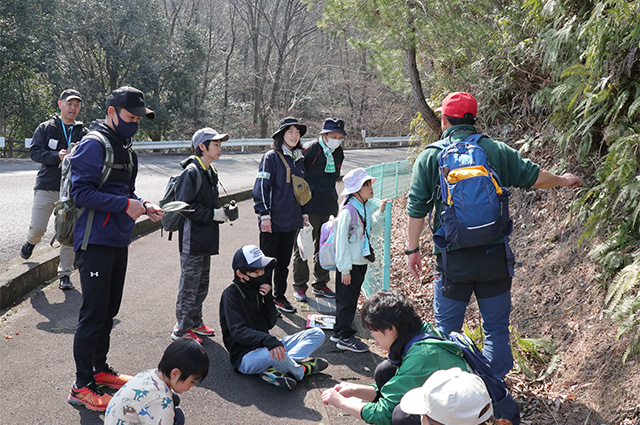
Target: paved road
37	368
237	172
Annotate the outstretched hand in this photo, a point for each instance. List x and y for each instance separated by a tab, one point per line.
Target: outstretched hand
571	180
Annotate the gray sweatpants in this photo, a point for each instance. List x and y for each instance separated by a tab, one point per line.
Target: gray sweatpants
194	287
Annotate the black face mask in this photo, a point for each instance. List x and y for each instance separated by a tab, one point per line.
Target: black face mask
253	284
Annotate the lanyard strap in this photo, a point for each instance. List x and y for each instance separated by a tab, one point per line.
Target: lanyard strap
64	130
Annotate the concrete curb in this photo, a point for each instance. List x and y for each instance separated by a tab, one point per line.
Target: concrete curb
22	277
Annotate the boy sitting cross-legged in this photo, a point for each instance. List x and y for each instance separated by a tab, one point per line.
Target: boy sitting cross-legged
247	313
151	397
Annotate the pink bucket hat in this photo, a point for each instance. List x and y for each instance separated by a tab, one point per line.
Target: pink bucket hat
354	180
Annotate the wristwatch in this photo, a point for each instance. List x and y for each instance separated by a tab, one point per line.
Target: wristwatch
412	251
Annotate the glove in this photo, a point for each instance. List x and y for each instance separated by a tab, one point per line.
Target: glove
219	215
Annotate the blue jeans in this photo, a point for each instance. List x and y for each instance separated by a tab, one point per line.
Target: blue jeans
299	346
495	312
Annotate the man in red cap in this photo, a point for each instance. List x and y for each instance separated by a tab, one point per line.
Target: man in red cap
484	270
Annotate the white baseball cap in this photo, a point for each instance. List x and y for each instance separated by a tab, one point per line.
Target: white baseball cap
451	397
251	256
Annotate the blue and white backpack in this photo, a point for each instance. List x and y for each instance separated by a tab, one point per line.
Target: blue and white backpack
475	206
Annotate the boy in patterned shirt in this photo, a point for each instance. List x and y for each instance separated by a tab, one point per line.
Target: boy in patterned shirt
151	397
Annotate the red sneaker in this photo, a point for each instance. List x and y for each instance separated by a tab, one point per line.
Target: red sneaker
204	330
90	397
112	379
187	334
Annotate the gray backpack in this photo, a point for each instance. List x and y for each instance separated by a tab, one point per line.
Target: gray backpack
65	209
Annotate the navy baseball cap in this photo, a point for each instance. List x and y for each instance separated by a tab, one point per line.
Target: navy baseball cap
130	99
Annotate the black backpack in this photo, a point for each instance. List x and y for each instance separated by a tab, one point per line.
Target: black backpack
174	220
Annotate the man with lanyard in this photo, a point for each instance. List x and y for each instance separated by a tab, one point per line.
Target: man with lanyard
322	161
49	145
109	212
483	270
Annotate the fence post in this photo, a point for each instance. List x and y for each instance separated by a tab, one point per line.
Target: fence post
386	272
10	145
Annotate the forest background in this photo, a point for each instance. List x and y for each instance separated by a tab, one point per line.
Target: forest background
557	79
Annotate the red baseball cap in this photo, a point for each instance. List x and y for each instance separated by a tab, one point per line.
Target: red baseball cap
457	104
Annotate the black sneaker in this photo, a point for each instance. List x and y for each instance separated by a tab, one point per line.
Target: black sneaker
352	344
334	338
323	292
313	366
279	379
26	250
285	305
65	283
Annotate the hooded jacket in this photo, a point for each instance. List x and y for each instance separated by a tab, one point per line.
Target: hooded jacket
111	224
423	358
48	140
324	200
200	235
273	196
246	317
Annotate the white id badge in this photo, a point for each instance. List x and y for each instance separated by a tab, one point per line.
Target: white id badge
53	144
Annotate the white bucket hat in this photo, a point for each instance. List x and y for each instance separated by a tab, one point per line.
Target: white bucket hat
451	397
354	180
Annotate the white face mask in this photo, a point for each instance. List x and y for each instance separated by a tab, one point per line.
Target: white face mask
333	144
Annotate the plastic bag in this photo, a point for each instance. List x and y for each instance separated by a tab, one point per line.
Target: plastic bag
305	242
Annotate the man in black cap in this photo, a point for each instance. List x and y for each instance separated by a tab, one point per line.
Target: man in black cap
322	161
101	238
49	145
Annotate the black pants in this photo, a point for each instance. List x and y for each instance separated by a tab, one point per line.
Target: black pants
347	301
102	273
385	371
280	246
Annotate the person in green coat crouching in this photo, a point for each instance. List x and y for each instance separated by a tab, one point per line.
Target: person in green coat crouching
394	322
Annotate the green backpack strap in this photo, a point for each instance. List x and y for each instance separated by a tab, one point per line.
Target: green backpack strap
107	166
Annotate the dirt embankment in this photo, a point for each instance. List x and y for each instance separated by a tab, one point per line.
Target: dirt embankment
557	295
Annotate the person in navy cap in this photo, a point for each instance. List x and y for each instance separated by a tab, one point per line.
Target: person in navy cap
101	238
323	159
50	144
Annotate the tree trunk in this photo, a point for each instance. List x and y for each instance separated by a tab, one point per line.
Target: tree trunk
416	87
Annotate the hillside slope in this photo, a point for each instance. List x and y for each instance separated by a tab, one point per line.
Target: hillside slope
556	295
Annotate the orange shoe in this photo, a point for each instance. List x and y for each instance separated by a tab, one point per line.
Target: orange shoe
204	330
110	378
90	397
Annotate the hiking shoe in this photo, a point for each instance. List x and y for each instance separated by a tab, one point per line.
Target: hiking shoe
187	334
204	330
26	250
279	379
352	344
300	296
323	292
334	338
65	283
90	397
110	378
285	306
313	366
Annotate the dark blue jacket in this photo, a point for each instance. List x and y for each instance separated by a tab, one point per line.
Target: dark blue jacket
324	200
273	196
111	224
48	140
200	235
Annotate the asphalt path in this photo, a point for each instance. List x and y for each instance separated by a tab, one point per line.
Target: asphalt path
237	172
36	340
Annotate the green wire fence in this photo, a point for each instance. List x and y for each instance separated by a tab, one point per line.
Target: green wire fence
393	179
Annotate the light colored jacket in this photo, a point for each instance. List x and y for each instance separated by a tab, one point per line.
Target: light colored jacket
349	249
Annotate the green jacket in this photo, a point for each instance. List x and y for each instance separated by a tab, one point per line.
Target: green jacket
423	358
514	171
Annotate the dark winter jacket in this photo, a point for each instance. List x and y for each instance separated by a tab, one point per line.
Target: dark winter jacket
324	199
245	319
200	235
111	224
273	196
48	140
